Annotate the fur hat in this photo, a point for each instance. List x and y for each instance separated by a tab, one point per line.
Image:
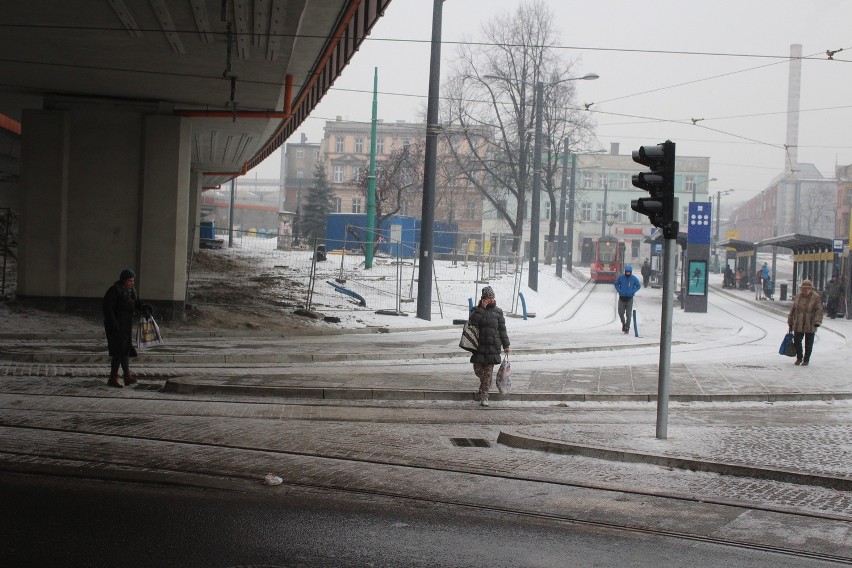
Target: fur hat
806	284
125	274
487	292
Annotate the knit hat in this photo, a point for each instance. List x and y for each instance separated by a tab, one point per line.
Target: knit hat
125	274
628	268
806	284
487	292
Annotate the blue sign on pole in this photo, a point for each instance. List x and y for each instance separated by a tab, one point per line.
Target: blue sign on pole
698	224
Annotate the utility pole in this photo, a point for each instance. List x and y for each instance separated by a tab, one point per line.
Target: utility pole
532	281
560	247
569	256
369	234
427	218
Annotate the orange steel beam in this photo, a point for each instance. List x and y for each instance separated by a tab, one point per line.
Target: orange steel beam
7	123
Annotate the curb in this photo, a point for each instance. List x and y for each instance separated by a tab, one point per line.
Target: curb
269	357
516	440
189	386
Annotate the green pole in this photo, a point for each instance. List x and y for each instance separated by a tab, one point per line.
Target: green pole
371	180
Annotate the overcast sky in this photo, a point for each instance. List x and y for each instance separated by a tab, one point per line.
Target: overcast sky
740	92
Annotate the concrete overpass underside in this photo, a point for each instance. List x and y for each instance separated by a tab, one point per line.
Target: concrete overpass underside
116	115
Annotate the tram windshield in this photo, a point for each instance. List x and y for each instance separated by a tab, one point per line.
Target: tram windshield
606	252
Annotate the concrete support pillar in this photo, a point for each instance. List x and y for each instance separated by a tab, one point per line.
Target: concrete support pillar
195	192
43	231
105	188
165	210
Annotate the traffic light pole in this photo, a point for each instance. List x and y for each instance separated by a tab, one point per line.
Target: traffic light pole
660	209
669	257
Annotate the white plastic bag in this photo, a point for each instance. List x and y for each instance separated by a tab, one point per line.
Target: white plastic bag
504	376
148	333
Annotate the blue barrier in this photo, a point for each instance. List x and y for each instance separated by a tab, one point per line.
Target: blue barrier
361	301
635	325
469	305
523	303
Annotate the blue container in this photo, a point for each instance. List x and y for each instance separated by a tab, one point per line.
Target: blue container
207	230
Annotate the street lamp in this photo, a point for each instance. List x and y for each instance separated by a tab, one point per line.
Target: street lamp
532	281
695	187
718	216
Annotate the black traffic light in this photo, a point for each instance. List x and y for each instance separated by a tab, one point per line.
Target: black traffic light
659	182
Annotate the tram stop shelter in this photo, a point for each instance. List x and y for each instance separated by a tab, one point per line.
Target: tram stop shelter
745	256
813	257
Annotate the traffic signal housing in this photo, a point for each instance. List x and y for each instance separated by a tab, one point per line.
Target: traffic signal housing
659	183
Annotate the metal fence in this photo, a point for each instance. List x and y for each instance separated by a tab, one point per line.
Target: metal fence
331	275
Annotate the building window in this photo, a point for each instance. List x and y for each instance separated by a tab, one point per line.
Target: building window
337	205
636	217
406	143
624	181
338	174
470	210
356	204
380	146
684	215
300	152
689	184
599	212
403	207
316	154
586	211
622	213
587	180
338	144
547	210
359	145
300	173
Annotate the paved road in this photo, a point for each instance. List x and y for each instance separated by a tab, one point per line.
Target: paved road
379	413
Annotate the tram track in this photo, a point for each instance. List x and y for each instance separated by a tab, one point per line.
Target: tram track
393	475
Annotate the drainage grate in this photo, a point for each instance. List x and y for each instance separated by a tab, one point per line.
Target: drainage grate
470	442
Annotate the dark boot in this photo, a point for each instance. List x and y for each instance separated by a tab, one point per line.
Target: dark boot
129	378
113	381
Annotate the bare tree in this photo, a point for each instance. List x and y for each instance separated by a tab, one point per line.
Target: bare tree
817	211
489	100
399	178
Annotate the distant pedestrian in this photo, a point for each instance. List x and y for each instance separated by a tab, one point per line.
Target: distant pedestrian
626	285
833	293
119	303
488	318
804	319
728	280
645	271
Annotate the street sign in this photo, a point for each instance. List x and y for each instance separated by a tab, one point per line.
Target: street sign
698	225
838	245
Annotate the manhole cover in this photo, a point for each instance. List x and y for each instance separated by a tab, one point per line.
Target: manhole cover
470	442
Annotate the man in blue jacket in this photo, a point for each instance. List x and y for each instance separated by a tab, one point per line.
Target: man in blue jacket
626	285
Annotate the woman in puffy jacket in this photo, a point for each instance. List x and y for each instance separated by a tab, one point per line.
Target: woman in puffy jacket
804	319
488	319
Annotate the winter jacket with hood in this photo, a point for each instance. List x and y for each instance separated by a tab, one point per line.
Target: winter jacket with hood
492	334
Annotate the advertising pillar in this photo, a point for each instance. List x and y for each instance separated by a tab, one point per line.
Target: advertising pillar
697	256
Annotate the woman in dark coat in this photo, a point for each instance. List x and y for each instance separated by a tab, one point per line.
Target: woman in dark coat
120	301
488	319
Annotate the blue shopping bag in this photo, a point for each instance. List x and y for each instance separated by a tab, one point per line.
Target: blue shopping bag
788	348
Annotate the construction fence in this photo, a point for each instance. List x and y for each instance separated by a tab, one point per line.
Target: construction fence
331	274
